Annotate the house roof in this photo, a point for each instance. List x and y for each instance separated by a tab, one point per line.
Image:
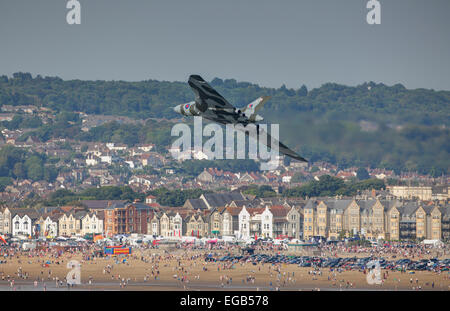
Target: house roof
66	209
102	204
389	204
221	199
310	204
142	206
256	210
247	203
32	213
196	204
47	209
366	205
80	215
339	204
409	208
234	211
279	211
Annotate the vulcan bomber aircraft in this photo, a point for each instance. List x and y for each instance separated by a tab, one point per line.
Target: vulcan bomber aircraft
210	105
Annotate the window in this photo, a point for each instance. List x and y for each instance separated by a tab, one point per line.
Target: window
16	225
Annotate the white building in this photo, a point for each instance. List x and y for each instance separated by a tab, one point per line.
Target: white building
22	225
49	227
267	223
146	148
130	164
91	224
113	146
107	158
244	224
92	159
255	221
286	179
142	180
177	225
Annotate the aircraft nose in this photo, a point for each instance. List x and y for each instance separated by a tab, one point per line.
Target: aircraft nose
177	109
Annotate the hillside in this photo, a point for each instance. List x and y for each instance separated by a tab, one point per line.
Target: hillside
402	129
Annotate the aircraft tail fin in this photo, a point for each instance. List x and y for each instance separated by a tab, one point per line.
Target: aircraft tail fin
251	109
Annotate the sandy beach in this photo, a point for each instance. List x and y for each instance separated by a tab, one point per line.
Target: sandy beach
151	269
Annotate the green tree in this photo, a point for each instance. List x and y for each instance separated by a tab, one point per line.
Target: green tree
4	182
19	170
362	174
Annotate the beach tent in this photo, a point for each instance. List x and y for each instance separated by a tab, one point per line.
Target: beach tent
97	237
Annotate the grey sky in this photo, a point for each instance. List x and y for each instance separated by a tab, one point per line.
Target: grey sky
293	42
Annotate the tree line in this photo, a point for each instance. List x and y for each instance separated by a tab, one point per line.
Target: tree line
409	133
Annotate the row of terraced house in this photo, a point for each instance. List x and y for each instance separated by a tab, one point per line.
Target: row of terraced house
233	214
49	222
376	219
